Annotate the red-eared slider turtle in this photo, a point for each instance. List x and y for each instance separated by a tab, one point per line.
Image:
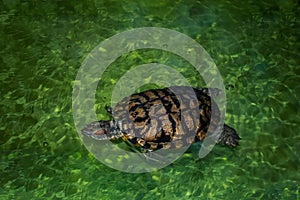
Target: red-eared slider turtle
155	118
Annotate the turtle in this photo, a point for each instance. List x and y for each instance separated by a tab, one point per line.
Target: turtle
165	118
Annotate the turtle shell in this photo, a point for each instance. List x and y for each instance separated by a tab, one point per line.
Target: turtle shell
156	117
163	118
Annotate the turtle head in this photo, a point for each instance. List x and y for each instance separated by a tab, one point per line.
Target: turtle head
102	130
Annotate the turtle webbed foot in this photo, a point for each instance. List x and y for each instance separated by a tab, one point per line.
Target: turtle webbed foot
229	137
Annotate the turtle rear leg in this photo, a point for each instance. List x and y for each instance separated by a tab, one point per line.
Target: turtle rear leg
229	137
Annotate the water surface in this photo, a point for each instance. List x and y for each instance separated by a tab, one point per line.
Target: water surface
255	46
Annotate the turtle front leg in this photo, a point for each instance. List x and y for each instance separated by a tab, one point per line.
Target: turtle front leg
138	142
145	148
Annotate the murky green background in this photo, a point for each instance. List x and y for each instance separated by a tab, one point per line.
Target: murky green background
255	46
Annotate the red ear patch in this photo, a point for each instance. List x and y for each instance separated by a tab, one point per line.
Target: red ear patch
100	132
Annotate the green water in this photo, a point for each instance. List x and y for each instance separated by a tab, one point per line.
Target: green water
255	46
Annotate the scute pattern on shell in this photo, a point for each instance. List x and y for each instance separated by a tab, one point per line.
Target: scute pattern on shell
166	118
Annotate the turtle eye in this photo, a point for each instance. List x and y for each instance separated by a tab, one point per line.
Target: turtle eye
104	124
